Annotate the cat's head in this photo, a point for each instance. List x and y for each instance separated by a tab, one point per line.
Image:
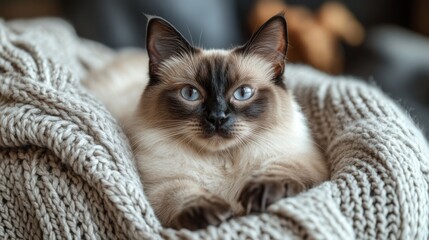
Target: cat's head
215	99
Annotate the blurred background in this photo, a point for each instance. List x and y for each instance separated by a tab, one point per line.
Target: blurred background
385	42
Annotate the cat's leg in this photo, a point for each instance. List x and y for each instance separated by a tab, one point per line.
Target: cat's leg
280	179
182	203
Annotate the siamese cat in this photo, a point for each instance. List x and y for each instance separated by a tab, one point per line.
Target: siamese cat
217	133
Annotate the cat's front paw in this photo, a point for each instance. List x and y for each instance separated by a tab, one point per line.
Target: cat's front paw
201	212
258	194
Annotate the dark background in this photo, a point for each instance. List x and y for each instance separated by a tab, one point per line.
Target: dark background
394	55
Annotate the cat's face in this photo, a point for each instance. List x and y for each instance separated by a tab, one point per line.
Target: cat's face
215	99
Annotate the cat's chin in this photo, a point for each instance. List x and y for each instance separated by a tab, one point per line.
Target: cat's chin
216	143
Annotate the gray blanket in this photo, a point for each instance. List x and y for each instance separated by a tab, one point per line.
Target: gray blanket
67	171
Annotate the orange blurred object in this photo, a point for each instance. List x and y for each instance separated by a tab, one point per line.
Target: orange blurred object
314	37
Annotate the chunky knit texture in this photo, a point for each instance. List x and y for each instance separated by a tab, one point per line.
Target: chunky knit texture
66	169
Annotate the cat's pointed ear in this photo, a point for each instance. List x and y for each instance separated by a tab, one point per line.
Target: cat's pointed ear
270	41
163	41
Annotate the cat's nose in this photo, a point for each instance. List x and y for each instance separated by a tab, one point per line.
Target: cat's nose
217	118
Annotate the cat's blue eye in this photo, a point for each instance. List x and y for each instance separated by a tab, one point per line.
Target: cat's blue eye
243	93
190	93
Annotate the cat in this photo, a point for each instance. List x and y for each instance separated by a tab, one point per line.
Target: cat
217	133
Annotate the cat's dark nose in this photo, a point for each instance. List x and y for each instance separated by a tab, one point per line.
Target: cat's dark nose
217	118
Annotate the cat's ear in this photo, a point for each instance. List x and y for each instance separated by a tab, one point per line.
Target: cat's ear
270	41
163	41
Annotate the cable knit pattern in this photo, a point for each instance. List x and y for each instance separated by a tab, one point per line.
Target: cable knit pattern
67	171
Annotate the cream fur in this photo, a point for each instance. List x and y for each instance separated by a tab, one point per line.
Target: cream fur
224	172
180	170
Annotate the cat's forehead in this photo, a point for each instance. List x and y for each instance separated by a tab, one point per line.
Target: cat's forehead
217	64
226	65
219	68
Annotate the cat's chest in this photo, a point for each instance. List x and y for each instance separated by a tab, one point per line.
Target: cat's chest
223	171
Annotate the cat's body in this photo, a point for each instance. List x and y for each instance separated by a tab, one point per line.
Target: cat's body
216	132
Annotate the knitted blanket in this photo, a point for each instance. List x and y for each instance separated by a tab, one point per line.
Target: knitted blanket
67	171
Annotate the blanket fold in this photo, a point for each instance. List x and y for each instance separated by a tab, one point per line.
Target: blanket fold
67	170
85	183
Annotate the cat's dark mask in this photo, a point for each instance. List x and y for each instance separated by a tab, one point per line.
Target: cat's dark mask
216	92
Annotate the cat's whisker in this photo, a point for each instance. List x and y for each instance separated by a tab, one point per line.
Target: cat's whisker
200	149
160	139
199	40
182	131
255	142
181	141
190	35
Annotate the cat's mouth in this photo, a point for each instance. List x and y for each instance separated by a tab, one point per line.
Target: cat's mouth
219	137
218	129
217	132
